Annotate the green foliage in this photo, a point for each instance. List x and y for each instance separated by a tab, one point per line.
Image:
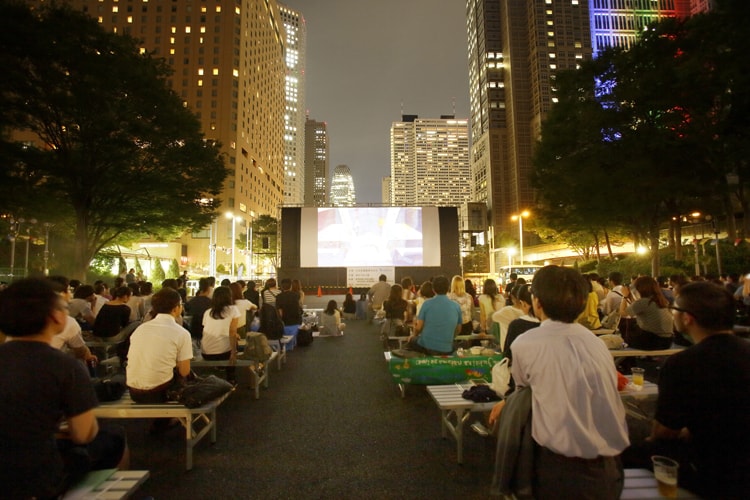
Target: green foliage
118	155
122	266
174	269
220	269
478	260
103	263
157	272
138	268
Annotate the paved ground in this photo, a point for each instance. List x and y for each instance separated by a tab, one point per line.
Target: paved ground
331	425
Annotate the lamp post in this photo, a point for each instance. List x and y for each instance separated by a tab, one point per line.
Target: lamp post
694	216
15	227
519	217
47	227
511	252
28	240
230	215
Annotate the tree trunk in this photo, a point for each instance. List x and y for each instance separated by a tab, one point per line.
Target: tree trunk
609	245
655	260
81	252
678	239
731	222
598	252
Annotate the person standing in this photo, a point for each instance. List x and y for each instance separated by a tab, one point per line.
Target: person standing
577	417
377	294
703	408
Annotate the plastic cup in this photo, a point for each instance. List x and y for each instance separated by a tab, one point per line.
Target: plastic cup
665	472
638	376
484	343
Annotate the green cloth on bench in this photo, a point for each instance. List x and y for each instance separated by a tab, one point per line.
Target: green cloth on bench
437	370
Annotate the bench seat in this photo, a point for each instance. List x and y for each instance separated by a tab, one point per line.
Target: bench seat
197	421
108	484
258	371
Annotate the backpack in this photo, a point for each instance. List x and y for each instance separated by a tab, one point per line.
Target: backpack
270	322
256	347
305	337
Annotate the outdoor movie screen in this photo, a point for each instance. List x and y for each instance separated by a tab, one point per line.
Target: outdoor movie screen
370	236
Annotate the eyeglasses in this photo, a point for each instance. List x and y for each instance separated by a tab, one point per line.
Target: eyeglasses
679	309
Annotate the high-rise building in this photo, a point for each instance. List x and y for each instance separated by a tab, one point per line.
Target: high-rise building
536	38
701	6
316	163
342	187
430	161
615	23
228	62
294	114
385	190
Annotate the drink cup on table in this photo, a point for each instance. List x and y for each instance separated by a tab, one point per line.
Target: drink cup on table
638	374
665	472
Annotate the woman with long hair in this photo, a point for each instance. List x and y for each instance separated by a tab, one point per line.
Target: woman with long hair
408	295
653	325
395	309
330	320
220	330
460	296
525	322
244	306
490	301
349	307
297	287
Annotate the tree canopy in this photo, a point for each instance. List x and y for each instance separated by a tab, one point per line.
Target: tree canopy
93	138
642	136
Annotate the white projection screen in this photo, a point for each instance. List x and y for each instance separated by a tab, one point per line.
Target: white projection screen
370	236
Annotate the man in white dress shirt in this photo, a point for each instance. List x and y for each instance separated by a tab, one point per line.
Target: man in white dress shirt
578	419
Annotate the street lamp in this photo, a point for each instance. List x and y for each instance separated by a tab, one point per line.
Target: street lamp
47	227
230	215
519	217
28	240
511	252
15	227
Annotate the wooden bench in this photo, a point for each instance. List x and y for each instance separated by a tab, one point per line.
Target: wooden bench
109	484
258	372
204	417
641	484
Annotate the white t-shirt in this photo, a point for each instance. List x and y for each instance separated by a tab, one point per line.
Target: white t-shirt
70	338
503	317
576	410
216	331
155	349
243	305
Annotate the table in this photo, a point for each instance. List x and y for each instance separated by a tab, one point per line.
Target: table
455	411
631	398
630	352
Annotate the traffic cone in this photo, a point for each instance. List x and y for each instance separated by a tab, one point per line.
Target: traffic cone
350	291
320	291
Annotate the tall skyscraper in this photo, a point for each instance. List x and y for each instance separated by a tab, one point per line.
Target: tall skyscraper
228	62
316	163
430	161
516	48
294	115
342	187
535	38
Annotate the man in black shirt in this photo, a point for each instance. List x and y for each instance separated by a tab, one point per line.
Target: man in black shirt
703	411
33	463
287	302
198	305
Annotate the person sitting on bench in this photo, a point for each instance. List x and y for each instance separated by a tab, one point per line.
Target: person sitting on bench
42	387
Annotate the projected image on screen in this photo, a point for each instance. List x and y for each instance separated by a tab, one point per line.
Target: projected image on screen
388	236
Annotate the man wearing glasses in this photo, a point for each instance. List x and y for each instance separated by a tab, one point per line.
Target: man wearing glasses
703	411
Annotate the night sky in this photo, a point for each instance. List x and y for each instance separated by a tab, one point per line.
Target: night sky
367	57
